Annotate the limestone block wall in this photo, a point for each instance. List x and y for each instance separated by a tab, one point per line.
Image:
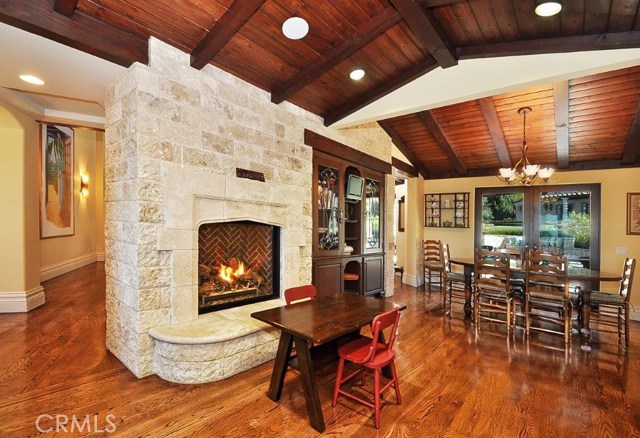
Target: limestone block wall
174	137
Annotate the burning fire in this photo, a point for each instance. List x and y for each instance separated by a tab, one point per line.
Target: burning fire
230	275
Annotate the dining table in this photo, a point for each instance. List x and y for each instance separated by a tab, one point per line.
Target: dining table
577	276
316	322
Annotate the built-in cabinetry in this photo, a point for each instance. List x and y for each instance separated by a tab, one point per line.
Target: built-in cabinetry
446	210
348	202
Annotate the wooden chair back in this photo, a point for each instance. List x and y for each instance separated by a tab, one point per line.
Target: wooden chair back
547	273
380	323
492	269
300	293
431	252
445	257
519	254
627	277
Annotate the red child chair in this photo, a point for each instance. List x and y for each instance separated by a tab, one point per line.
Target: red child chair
300	293
373	355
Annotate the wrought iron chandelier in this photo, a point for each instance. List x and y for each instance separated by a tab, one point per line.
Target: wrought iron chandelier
524	172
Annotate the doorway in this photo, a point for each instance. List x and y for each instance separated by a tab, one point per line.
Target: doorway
563	218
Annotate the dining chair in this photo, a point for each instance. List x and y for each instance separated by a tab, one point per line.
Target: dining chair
370	354
455	282
294	295
517	257
547	293
492	290
613	309
432	263
299	293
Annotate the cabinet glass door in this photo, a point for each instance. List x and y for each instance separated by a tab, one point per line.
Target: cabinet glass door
328	208
373	236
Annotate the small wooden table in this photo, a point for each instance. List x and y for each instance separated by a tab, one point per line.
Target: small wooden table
317	322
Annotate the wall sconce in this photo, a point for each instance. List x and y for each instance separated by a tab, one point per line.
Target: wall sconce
84	185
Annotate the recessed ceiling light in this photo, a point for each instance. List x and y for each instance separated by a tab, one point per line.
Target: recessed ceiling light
295	28
548	8
32	79
357	74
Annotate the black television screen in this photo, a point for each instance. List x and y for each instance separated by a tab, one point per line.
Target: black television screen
355	184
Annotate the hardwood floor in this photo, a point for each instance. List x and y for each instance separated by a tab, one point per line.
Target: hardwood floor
453	382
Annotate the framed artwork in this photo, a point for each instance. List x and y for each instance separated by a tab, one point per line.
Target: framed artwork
401	214
56	181
633	213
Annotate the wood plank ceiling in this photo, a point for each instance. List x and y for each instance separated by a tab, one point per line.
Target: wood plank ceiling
593	116
395	41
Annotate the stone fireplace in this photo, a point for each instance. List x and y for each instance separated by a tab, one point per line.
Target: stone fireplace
175	138
238	263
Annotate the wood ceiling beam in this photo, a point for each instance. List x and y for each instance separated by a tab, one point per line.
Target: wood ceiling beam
561	107
360	38
581	43
65	7
372	95
404	167
488	108
402	147
441	137
329	146
81	32
424	24
223	30
631	151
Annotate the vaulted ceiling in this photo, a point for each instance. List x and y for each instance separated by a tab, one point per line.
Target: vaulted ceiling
395	41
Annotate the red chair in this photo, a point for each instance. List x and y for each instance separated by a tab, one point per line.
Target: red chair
374	355
300	293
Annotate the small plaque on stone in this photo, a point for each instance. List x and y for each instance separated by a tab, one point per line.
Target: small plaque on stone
249	174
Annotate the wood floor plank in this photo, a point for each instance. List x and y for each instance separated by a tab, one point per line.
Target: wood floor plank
454	380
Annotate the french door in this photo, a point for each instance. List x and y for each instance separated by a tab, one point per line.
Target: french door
562	218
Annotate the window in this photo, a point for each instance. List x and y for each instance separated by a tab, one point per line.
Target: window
560	218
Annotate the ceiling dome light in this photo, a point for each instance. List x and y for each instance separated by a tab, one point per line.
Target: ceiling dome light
357	74
295	28
548	8
32	79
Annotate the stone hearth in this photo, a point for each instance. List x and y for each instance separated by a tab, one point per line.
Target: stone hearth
174	139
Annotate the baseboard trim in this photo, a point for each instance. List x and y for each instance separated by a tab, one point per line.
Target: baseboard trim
634	314
411	280
51	271
99	257
20	302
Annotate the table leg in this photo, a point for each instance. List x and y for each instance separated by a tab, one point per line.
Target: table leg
280	366
309	384
468	273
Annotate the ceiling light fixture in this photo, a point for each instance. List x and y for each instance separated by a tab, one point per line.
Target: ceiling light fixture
295	28
548	8
32	79
357	74
524	172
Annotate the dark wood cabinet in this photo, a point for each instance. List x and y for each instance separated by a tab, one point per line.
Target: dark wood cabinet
373	275
361	275
328	276
348	238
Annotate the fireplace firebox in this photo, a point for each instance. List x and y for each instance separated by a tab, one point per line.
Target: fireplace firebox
238	263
